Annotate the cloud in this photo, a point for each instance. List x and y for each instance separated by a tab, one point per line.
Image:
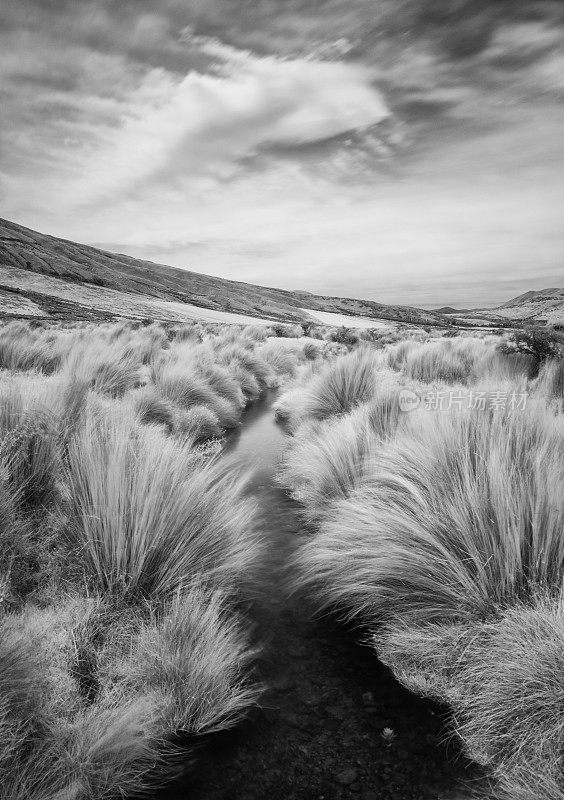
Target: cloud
204	124
349	145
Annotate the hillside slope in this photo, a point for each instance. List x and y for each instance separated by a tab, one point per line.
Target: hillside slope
44	270
545	305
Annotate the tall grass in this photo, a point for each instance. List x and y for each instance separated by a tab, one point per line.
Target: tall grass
342	385
503	680
147	516
461	513
124	548
441	531
194	654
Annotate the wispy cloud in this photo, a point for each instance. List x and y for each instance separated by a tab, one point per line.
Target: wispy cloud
400	143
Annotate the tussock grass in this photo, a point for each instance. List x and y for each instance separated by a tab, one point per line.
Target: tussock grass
327	460
443	532
281	359
125	546
197	424
148	516
458	516
250	386
436	362
237	355
187	389
256	332
194	654
189	333
153	409
25	349
324	463
342	385
311	351
551	381
503	680
111	368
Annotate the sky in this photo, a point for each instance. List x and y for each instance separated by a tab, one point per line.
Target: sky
404	151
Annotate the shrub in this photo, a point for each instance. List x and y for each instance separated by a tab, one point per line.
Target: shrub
540	342
345	336
311	351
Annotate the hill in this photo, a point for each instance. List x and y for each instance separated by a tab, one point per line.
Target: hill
42	275
545	305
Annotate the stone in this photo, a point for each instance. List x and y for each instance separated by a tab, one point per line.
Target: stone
346	777
336	712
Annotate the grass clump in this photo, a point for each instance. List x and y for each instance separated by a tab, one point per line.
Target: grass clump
125	547
457	517
342	385
147	516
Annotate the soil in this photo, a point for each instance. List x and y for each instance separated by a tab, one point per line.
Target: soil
333	723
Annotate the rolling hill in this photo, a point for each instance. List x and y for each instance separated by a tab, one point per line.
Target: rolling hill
42	275
545	305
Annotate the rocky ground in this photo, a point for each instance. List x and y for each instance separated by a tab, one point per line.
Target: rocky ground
335	724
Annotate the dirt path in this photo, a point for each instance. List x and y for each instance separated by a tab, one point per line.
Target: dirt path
319	733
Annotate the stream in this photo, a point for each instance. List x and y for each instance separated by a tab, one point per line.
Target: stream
318	733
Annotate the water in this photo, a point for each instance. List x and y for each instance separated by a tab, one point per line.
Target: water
258	442
314	722
258	446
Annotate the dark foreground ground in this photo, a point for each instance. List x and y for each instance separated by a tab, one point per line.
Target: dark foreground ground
318	733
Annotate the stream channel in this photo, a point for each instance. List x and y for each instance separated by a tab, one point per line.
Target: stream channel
318	732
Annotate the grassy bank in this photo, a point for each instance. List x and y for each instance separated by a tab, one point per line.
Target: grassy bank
439	532
127	551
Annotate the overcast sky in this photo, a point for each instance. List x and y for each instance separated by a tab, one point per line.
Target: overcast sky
407	151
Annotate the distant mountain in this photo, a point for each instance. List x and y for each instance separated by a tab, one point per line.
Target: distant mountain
451	310
545	305
62	279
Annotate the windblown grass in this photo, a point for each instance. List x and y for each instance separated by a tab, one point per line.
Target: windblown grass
342	385
124	548
147	516
442	531
457	517
503	681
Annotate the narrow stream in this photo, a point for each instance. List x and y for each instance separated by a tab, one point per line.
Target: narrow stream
319	731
